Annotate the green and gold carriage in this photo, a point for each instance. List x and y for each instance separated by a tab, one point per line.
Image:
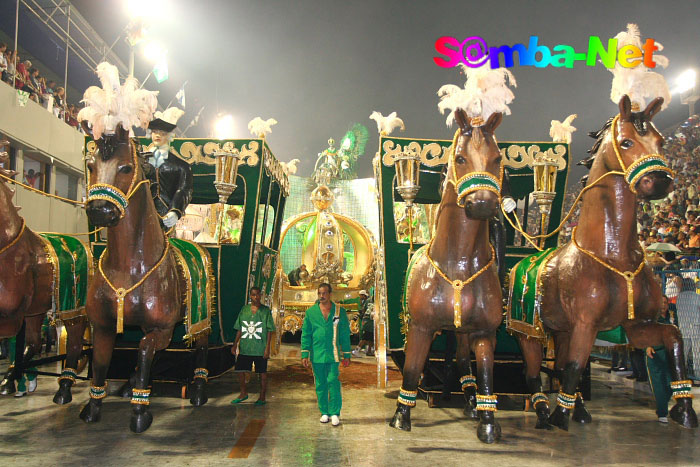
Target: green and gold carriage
407	224
234	224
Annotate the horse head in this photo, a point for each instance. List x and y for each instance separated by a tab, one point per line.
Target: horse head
113	173
476	170
636	149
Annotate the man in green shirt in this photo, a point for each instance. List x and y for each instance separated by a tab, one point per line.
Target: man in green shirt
252	346
325	342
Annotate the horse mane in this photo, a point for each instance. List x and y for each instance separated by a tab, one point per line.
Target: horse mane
640	121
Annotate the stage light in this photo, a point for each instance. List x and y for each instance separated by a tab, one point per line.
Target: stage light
685	81
154	52
223	127
146	8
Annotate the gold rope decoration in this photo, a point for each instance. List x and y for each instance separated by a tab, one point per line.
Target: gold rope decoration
121	292
458	285
16	239
627	275
36	190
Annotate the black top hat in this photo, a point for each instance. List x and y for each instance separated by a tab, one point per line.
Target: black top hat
162	125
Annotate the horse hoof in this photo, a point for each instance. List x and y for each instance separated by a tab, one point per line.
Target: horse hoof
402	418
91	413
471	412
581	414
560	418
684	414
488	432
63	395
542	411
7	387
140	422
199	393
126	390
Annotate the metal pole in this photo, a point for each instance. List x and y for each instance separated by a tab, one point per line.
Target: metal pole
65	73
14	72
131	60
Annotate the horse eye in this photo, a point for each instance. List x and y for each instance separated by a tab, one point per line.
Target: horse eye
626	144
460	160
125	169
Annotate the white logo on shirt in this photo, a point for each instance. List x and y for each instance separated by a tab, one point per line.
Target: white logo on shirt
252	330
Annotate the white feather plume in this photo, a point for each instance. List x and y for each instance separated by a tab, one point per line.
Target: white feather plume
639	83
385	125
561	131
485	92
259	127
115	104
290	168
170	115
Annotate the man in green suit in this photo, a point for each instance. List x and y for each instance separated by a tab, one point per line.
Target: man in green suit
325	343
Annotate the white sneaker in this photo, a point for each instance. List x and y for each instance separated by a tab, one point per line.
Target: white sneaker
324	419
20	393
663	419
31	385
335	420
356	353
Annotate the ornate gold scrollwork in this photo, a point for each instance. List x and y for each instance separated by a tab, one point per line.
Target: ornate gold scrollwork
517	156
431	154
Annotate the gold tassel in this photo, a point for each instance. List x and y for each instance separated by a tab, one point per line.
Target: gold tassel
629	277
457	288
121	293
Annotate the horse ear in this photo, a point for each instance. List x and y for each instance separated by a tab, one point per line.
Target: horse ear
86	128
462	120
122	133
625	108
492	123
653	108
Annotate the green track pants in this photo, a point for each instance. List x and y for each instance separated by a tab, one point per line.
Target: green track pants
328	388
660	380
22	383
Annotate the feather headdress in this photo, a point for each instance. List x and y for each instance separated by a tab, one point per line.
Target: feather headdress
259	127
560	132
385	125
639	83
485	92
170	115
112	104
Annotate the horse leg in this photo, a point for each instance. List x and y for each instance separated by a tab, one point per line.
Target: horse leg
645	334
74	347
467	380
580	342
141	417
103	345
201	374
417	346
532	354
15	329
488	430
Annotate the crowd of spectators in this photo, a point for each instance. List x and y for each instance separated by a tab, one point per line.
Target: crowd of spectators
28	79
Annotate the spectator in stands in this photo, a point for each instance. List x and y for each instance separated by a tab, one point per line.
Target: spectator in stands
3	61
59	97
34	85
22	74
50	86
10	58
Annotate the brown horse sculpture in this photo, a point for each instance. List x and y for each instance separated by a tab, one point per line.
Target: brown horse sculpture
138	282
26	291
599	280
452	283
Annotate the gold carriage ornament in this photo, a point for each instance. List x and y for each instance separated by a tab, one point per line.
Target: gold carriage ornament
407	177
545	178
227	160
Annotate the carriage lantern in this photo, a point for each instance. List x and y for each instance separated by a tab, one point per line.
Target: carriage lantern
227	160
407	176
545	177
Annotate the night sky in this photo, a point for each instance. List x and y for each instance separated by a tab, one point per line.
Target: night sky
319	66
